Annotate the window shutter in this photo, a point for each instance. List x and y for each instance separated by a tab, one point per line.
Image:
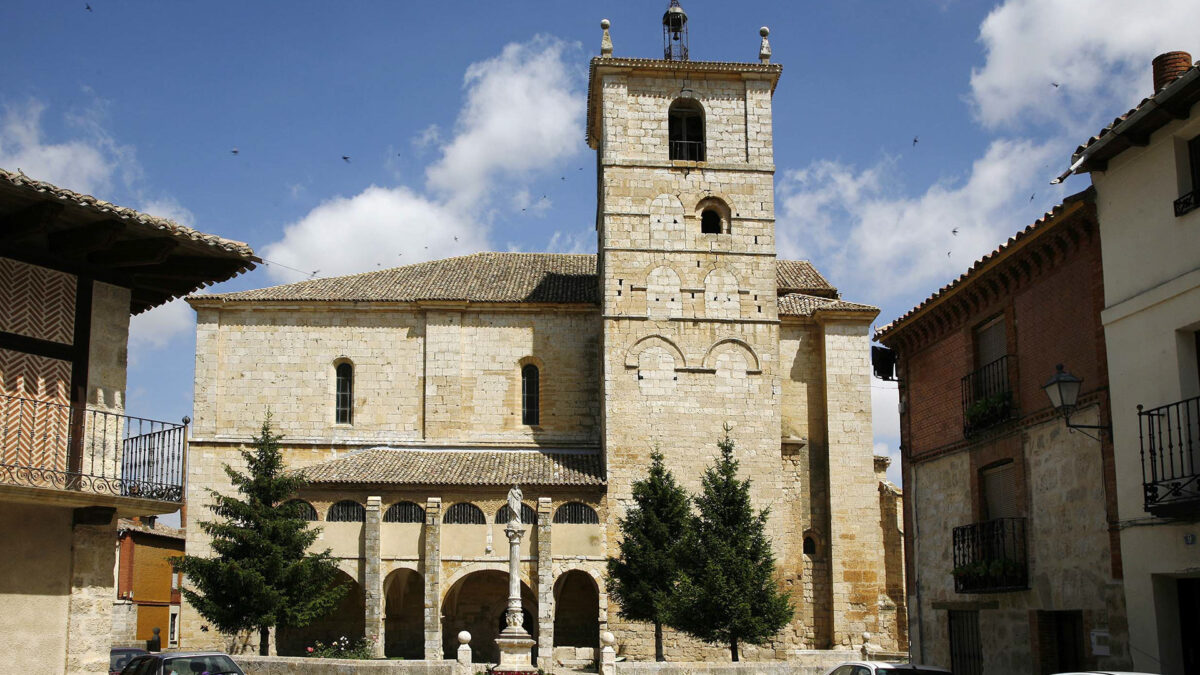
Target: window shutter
1000	492
990	342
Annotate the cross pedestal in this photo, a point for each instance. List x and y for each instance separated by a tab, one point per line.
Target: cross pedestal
516	645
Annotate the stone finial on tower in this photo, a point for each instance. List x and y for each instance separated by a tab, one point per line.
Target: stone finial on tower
764	50
606	41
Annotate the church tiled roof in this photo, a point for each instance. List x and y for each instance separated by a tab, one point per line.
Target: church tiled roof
489	277
405	466
799	304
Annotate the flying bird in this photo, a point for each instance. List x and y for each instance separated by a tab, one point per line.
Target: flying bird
564	177
915	139
1032	196
234	151
456	238
954	232
87	6
947	254
346	158
1054	84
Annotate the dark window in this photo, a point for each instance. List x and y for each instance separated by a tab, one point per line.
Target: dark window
990	342
576	513
346	511
404	512
1060	641
528	515
710	222
465	513
302	509
999	486
810	546
345	393
966	655
685	122
529	394
1194	161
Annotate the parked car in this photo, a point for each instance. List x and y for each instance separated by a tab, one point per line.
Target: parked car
1104	672
883	668
118	657
183	663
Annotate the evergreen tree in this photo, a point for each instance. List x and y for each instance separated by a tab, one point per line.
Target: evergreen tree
261	575
643	576
727	591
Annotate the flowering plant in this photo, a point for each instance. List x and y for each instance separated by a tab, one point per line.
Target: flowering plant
341	648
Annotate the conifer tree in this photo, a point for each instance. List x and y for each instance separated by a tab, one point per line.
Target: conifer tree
261	574
727	591
644	574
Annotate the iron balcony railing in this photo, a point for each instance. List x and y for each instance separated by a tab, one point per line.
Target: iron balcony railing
62	447
991	557
987	396
1187	203
689	151
1170	440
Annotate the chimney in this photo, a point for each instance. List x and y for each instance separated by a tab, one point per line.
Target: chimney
1168	67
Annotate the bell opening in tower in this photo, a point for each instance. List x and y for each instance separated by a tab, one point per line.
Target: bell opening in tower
675	33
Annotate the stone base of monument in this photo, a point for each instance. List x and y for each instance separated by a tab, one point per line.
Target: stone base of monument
516	652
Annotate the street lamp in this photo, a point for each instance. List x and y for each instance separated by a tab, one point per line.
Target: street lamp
1063	391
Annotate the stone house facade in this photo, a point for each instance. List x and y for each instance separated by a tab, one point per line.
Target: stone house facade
1013	552
72	270
413	398
1145	168
147	587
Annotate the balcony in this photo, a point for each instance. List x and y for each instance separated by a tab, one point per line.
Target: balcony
69	448
991	557
987	396
1186	204
688	151
1170	440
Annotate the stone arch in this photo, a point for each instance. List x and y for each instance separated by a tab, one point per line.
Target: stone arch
577	611
666	222
656	371
635	350
721	297
664	300
347	619
719	209
404	614
475	601
752	362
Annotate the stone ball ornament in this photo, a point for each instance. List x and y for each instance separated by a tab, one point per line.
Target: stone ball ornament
607	639
464	637
605	24
764	31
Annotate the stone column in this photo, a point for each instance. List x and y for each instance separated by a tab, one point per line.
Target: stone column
545	585
89	609
373	576
432	563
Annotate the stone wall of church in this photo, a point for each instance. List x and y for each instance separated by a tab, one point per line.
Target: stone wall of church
438	376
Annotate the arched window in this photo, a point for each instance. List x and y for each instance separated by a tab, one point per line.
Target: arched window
346	511
465	513
810	546
344	401
528	515
685	122
710	222
576	513
530	394
404	512
302	509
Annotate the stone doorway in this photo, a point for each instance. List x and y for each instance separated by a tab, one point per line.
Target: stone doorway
476	603
404	615
576	617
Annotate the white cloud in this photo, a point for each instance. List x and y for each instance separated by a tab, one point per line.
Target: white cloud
580	241
379	227
1098	51
155	329
82	165
524	112
883	244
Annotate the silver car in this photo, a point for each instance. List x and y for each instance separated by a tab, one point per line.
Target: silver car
183	663
884	668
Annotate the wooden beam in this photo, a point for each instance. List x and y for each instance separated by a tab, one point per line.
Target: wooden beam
84	239
21	223
134	253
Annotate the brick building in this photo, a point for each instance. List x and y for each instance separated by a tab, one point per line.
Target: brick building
415	397
1013	552
72	270
147	588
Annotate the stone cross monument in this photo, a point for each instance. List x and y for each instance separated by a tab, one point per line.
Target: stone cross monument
516	645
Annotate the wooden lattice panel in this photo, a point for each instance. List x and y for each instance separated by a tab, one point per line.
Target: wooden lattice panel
38	302
34	417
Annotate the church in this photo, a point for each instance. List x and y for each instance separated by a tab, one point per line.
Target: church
414	398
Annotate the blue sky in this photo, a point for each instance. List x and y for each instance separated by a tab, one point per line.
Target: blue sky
466	120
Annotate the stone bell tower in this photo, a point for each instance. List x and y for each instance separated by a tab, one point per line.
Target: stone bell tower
686	263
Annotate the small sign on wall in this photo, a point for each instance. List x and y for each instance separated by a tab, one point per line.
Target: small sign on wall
1100	643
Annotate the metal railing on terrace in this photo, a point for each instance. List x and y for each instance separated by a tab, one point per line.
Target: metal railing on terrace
689	151
987	396
1170	447
991	557
62	447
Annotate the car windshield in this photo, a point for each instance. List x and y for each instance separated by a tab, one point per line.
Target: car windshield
211	664
118	659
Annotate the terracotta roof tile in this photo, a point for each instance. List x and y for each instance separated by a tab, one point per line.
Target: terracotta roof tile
402	466
799	304
488	277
